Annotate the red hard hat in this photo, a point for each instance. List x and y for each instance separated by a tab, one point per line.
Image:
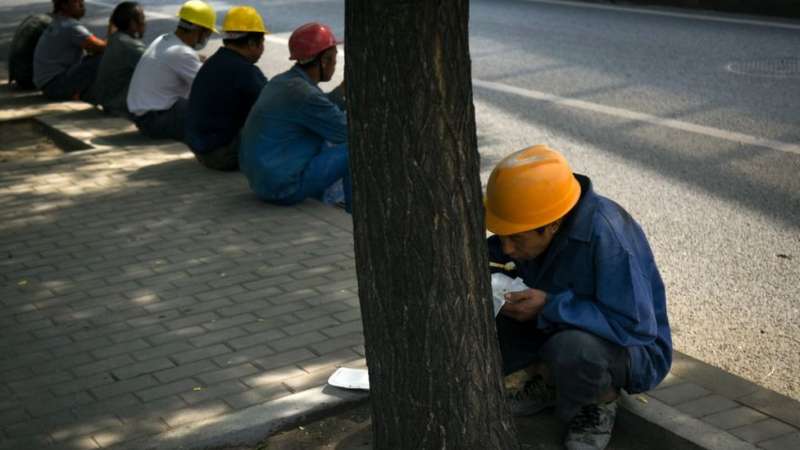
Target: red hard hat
310	40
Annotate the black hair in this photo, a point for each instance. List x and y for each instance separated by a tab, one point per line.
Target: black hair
253	38
58	5
123	14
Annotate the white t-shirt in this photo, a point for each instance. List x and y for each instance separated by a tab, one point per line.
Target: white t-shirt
163	75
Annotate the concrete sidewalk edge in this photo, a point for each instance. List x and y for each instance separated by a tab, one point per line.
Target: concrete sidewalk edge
683	425
251	425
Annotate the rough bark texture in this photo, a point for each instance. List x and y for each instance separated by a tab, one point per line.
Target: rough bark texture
419	231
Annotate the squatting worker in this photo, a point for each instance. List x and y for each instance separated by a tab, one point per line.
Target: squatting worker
225	89
159	90
60	68
294	143
594	320
125	48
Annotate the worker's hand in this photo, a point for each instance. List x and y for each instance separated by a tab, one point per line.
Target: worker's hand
203	58
524	305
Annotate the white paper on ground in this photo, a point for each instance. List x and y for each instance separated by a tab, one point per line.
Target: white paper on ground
501	285
348	378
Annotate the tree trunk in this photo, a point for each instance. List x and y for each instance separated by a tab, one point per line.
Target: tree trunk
420	245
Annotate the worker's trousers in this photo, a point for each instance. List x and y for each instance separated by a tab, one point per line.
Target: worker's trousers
326	168
75	83
167	124
581	365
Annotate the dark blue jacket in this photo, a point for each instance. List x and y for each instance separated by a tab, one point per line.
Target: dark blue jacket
224	90
600	276
289	125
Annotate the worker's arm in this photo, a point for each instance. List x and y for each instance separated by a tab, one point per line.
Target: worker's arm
94	45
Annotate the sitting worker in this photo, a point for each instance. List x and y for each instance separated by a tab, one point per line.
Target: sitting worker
60	68
294	143
159	90
594	317
20	51
125	48
225	89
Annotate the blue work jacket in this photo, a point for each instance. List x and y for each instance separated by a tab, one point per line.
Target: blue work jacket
290	123
600	276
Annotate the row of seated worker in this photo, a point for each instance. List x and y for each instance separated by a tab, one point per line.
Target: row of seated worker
286	135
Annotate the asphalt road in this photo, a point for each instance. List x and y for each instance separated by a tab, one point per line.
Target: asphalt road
689	120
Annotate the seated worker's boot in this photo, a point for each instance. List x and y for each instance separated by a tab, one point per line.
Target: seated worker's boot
532	398
590	429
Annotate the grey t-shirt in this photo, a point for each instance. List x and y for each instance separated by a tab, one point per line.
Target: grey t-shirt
115	72
58	49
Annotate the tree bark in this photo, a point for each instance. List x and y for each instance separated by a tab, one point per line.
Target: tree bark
419	231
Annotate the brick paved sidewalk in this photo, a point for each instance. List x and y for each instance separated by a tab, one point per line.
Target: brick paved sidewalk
141	293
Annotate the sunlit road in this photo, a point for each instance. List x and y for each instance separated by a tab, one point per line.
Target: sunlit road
690	122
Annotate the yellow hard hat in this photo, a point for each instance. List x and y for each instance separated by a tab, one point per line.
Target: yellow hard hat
199	13
243	19
528	189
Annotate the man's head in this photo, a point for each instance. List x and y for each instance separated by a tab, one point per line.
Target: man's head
313	46
128	17
197	20
244	32
70	8
528	194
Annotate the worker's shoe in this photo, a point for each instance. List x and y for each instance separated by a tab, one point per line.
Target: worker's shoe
591	428
532	398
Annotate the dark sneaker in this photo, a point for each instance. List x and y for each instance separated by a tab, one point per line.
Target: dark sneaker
534	397
591	428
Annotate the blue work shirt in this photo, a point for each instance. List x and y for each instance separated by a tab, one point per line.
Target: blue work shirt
290	123
600	276
223	92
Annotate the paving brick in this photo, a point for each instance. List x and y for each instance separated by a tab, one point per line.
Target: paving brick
711	378
786	442
268	282
219	293
12	416
775	405
307	326
221	324
270	323
227	373
252	339
169	349
103	365
118	434
82	384
346	341
274	376
308	380
178	334
329	360
165	390
208	305
706	405
762	431
343	329
27	442
197	413
244	355
256	395
125	347
101	407
201	353
83	428
142	368
215	391
49	404
137	332
216	337
300	340
735	418
680	393
329	309
261	294
196	319
134	385
186	371
243	308
153	319
173	303
35	384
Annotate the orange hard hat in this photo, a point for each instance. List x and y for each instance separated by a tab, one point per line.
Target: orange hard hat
529	189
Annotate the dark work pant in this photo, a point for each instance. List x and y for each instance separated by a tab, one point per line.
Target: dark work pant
75	83
168	124
225	158
582	366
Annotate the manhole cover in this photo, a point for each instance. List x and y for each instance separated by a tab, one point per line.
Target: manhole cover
778	67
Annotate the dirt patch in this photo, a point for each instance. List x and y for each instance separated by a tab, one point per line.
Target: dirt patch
24	140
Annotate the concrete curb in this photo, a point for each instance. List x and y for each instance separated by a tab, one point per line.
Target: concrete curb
251	425
683	425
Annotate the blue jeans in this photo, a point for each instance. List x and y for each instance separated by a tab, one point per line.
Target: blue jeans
325	169
582	366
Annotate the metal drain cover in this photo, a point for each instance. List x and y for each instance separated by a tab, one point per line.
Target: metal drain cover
778	67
